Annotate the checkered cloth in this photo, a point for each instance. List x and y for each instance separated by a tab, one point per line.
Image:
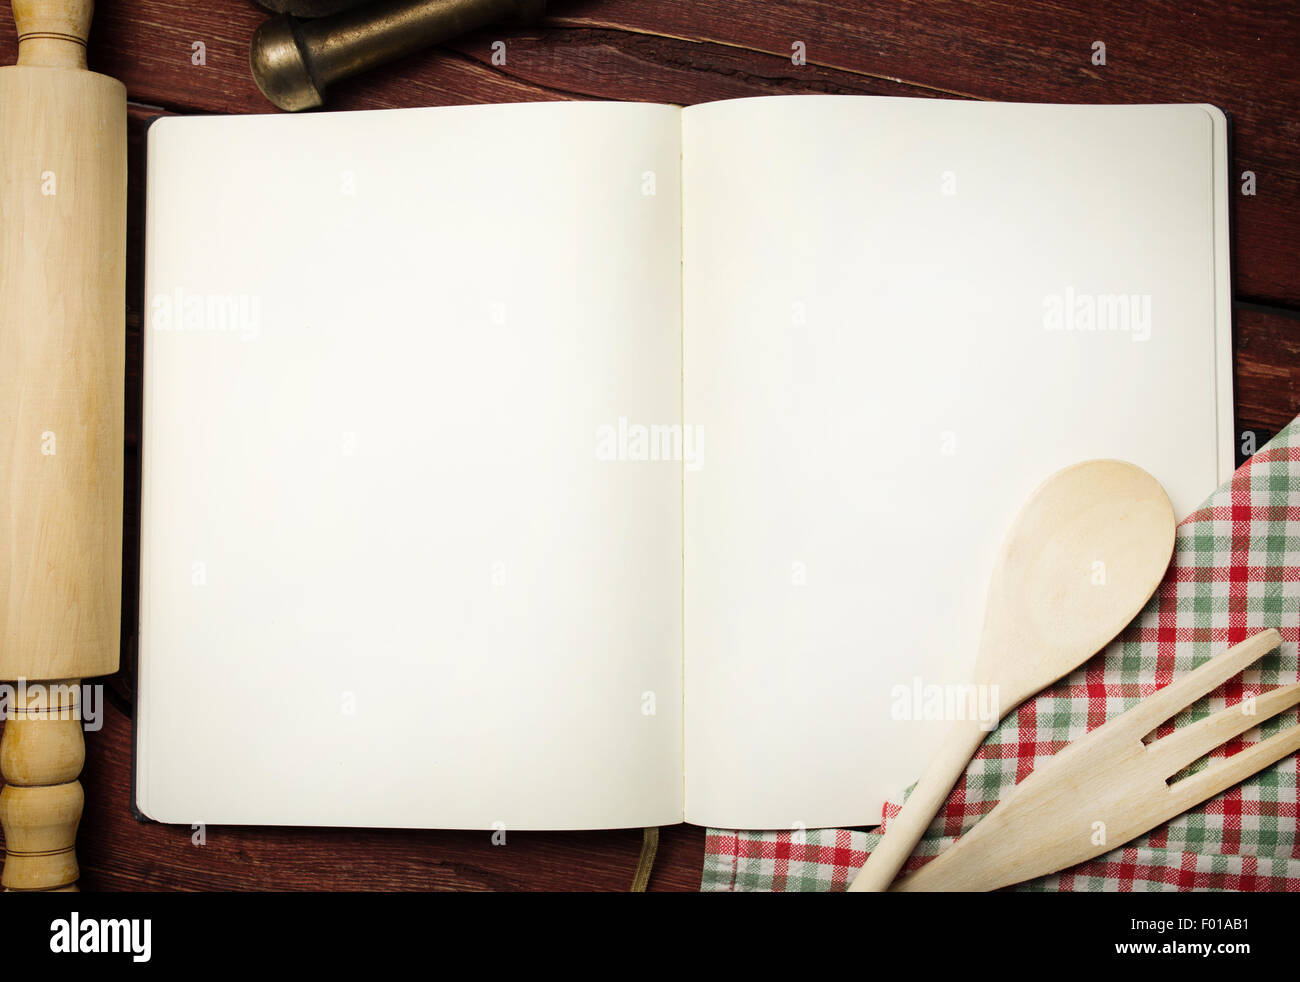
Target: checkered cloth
1235	571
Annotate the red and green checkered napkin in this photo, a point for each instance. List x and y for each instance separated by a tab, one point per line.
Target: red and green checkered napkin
1235	571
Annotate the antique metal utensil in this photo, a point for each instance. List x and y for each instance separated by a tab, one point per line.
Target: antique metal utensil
294	61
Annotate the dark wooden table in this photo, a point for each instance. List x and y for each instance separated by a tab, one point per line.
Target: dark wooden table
1241	57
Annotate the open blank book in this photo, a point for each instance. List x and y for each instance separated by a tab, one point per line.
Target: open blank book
592	465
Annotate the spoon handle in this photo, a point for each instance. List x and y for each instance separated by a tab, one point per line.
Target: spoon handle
905	829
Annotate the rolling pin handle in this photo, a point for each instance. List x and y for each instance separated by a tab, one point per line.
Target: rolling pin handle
41	755
53	33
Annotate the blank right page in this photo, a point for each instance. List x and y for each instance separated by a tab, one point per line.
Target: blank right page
900	316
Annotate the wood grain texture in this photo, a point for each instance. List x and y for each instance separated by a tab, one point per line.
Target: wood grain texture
62	225
63	150
1239	56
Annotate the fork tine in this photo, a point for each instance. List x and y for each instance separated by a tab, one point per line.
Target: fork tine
1223	774
1177	695
1174	752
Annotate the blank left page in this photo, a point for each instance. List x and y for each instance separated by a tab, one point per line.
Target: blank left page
388	578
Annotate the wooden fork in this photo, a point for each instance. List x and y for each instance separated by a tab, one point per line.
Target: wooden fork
1113	785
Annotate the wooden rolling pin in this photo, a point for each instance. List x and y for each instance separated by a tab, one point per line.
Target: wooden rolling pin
62	365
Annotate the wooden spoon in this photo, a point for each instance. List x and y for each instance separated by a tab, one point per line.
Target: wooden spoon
1082	558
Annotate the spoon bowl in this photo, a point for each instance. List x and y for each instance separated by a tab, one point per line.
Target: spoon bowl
1083	557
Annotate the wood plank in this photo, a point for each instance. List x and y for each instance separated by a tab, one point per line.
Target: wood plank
1234	55
1267	386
